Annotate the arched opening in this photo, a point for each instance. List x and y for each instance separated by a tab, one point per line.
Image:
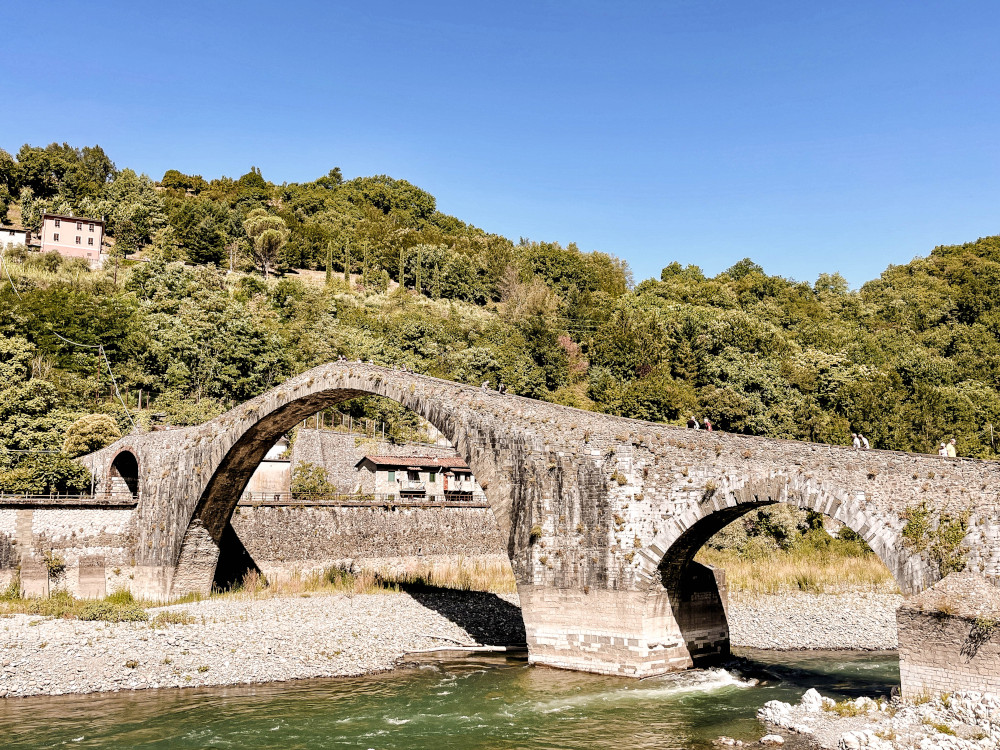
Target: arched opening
350	494
124	475
698	591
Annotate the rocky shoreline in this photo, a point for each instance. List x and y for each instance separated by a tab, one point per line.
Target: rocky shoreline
961	721
233	640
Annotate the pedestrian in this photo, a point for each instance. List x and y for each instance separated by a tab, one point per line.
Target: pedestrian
708	425
951	448
501	388
486	384
856	441
692	423
943	451
864	442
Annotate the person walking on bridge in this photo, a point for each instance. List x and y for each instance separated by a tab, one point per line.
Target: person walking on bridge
864	442
951	448
855	441
693	423
943	451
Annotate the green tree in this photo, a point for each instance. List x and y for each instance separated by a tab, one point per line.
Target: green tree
90	433
267	234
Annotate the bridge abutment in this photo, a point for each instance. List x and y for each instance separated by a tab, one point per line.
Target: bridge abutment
628	633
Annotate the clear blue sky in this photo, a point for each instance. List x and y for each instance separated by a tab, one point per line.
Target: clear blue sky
808	136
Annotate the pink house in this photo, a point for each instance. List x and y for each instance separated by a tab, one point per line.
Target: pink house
73	237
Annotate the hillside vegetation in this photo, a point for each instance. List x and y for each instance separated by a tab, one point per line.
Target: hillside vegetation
218	313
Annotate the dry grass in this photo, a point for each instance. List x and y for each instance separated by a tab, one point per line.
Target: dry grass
811	570
463	575
494	576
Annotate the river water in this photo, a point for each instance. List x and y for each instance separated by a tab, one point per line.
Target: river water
493	703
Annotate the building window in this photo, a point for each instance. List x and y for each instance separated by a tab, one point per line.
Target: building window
90	240
79	225
55	237
78	239
91	226
392	476
57	222
432	477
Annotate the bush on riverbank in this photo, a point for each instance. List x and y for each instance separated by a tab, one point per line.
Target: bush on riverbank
119	606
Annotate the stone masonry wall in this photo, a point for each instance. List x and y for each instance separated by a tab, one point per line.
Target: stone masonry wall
949	637
942	653
99	537
281	539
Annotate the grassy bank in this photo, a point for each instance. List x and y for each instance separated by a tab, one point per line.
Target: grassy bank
834	568
461	575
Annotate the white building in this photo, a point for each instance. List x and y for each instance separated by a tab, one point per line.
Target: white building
430	478
10	236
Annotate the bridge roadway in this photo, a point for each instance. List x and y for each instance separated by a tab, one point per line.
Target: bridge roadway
601	515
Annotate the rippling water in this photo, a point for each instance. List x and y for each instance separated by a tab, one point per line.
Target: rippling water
479	703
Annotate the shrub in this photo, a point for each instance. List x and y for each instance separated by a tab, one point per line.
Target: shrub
310	479
117	607
90	433
172	617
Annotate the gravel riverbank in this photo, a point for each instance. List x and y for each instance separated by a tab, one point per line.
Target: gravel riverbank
234	641
244	640
853	621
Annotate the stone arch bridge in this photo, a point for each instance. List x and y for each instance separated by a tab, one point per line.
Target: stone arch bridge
601	515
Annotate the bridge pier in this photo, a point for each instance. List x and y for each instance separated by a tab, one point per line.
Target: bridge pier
628	633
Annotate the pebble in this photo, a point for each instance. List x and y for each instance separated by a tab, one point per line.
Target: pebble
789	621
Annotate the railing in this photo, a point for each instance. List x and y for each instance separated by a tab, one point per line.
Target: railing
409	485
101	500
351	500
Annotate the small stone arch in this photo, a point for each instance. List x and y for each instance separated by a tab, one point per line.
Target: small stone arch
667	559
123	474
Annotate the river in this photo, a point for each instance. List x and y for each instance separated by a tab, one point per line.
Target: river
493	703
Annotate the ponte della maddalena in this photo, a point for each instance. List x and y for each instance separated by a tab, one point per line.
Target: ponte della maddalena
601	516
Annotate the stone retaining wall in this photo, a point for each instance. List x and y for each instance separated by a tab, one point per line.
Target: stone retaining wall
283	539
949	638
96	542
941	653
99	537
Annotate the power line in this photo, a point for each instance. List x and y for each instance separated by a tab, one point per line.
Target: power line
3	263
99	347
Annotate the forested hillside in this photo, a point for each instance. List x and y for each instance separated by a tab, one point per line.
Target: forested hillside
223	288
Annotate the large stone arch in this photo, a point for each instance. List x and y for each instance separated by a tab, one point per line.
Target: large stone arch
690	598
477	436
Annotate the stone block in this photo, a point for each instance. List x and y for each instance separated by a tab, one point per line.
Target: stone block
92	583
34	577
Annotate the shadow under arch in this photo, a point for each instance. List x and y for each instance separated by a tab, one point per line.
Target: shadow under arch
123	475
697	592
